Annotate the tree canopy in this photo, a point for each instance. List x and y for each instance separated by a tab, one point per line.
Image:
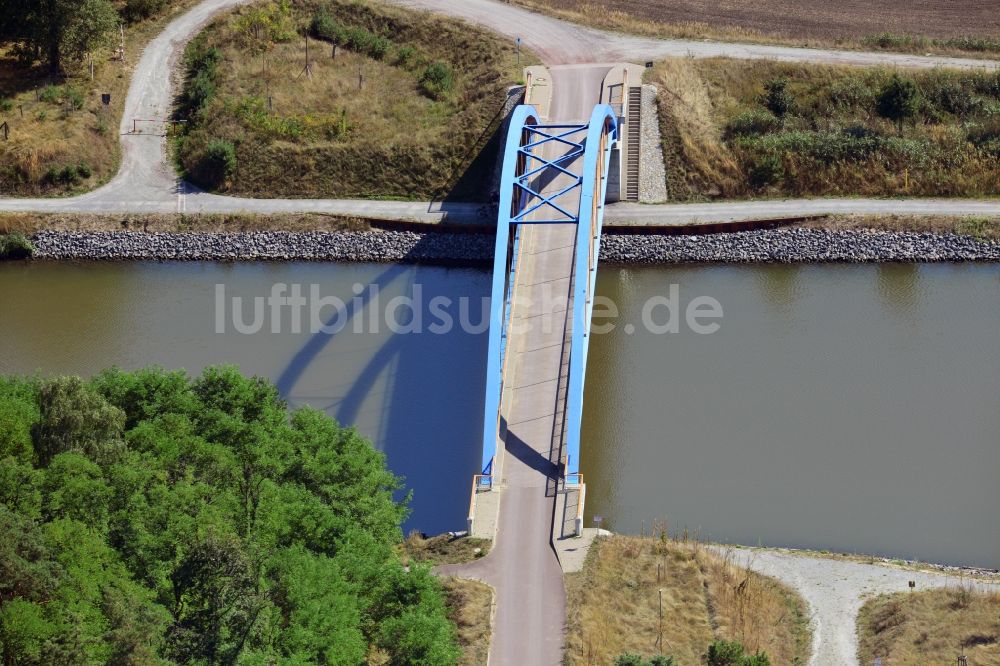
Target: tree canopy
150	518
57	31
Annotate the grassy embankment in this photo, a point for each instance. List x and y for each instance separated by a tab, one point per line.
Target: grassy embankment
614	604
738	129
418	127
802	24
29	223
470	603
62	139
931	627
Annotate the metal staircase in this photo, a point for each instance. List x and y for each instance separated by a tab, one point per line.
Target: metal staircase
633	139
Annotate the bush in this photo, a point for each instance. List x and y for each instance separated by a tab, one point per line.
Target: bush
199	89
50	94
74	98
6	104
776	98
766	170
324	26
136	10
437	80
15	246
899	99
84	170
851	92
752	123
217	163
731	653
405	56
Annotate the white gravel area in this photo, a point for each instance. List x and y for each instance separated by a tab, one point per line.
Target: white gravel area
652	170
835	590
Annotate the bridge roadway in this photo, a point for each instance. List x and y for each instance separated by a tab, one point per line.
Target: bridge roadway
522	567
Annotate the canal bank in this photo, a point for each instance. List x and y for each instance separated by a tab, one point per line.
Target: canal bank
793	245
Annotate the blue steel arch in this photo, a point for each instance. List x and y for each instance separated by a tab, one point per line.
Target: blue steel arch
523	162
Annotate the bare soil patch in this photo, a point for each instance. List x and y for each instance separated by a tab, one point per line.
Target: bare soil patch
816	18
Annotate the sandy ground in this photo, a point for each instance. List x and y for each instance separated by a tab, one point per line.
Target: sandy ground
835	591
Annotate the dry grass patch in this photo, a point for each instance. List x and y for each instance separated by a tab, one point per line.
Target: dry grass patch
614	604
443	549
29	223
407	109
755	128
62	139
927	26
470	607
985	228
931	627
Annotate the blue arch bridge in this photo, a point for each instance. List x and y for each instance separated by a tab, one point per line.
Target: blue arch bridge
553	189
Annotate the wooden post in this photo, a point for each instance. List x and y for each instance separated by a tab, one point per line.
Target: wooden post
527	89
361	76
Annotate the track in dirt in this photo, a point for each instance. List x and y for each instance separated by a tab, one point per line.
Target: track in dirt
816	19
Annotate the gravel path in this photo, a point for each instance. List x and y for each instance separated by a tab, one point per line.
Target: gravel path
835	591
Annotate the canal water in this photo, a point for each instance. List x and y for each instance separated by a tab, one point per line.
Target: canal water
837	407
849	408
417	396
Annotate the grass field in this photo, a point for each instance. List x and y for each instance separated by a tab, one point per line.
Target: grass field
931	627
738	129
62	139
963	27
614	605
404	110
470	605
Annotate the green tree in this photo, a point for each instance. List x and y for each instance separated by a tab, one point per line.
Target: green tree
74	417
149	517
899	100
215	601
319	607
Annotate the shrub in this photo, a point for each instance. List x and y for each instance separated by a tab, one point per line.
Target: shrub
899	100
6	104
73	97
405	56
217	163
752	123
84	170
851	91
437	80
15	246
952	96
324	26
731	653
50	94
136	10
776	98
766	170
724	653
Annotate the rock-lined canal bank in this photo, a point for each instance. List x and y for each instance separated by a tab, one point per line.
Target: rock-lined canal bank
765	246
